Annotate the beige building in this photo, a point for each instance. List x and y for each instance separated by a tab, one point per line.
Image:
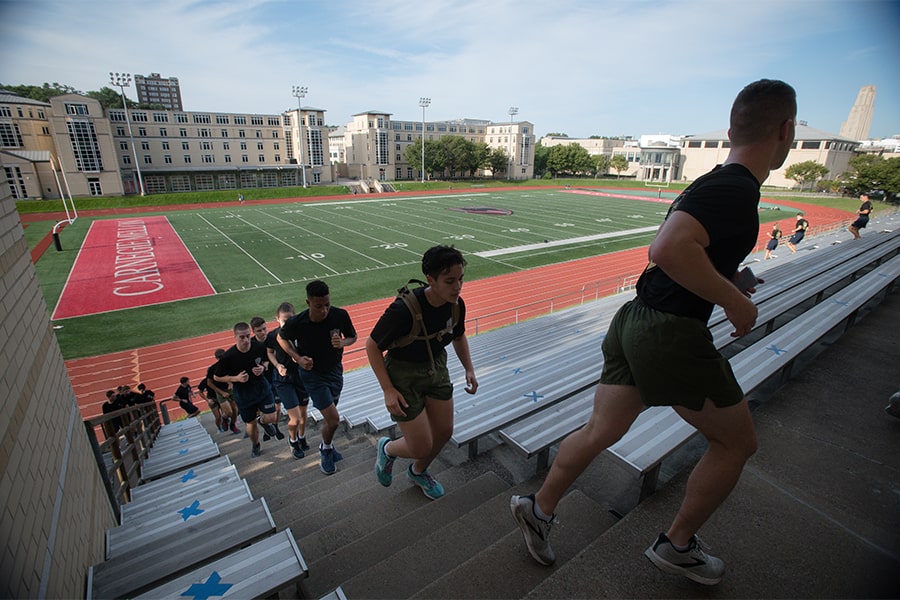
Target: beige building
700	153
375	145
858	122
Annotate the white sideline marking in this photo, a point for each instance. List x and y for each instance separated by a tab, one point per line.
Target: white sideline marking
566	242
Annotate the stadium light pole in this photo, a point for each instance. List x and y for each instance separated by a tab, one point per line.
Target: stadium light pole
122	81
300	92
424	103
513	111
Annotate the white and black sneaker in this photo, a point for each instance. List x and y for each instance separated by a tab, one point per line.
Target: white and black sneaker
535	531
694	563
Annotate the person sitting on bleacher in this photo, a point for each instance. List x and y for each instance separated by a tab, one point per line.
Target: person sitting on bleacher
184	395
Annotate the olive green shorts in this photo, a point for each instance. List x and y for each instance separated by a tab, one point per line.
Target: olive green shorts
672	360
412	379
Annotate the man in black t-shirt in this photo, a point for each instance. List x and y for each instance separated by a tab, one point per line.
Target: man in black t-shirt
658	350
774	236
798	234
315	339
244	366
287	385
184	395
862	219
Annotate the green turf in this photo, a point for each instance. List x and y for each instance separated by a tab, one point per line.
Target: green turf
259	255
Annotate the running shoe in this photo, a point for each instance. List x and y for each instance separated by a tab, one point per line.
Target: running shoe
278	434
303	445
535	531
326	459
268	429
296	450
430	487
694	563
255	451
383	463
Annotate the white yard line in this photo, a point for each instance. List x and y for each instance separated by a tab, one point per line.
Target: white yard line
236	245
566	242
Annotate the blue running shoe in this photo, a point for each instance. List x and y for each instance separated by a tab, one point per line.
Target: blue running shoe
326	459
430	487
383	463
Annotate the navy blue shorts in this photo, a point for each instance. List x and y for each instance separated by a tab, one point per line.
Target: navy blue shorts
797	237
324	389
290	390
861	222
252	396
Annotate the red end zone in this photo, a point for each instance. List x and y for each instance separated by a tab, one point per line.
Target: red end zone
126	263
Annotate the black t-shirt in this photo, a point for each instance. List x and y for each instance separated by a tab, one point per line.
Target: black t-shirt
866	206
314	339
183	393
234	361
725	201
281	356
802	225
776	234
396	322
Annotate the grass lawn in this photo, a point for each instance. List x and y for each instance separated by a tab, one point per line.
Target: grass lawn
259	255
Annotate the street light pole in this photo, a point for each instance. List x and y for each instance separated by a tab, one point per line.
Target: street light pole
424	103
513	111
300	92
122	81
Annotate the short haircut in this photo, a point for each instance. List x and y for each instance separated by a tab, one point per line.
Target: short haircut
240	326
316	289
760	109
256	322
184	380
284	307
219	353
438	259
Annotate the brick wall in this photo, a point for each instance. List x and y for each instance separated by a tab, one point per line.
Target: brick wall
53	508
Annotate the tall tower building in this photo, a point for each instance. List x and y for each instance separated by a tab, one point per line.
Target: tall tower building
857	125
159	90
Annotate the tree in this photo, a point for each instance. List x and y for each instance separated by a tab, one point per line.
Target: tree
498	161
40	93
873	172
601	164
619	163
540	159
565	135
806	172
110	98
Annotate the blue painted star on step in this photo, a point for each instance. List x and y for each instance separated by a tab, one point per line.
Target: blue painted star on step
534	396
212	587
516	371
778	351
184	451
191	511
184	441
840	302
188	476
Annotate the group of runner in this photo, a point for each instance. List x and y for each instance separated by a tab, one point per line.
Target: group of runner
799	232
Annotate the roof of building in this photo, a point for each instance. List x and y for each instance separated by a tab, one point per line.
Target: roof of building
7	97
372	112
801	133
30	155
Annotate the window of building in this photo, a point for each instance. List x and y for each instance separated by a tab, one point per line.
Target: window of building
45	130
185	145
227	181
711	144
155	184
286	119
187	159
10	136
138	116
5	112
126	159
148	160
204	181
165	145
278	158
275	133
694	144
258	133
72	108
181	118
163	132
180	183
274	121
205	146
811	145
19	111
167	158
94	186
240	120
207	158
316	147
224	133
228	158
120	130
245	158
142	131
396	126
85	146
243	145
204	132
407	126
201	118
222	119
261	158
182	132
117	115
256	120
408	137
160	117
241	133
226	146
145	145
442	128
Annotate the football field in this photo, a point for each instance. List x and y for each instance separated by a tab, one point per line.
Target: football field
270	245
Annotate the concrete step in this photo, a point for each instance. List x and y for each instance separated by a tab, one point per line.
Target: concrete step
504	569
382	538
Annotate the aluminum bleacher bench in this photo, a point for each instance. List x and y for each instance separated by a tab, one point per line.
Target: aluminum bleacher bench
659	431
138	569
177	455
257	571
217	490
198	474
176	516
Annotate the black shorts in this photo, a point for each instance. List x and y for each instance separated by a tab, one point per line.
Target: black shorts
772	245
861	222
797	237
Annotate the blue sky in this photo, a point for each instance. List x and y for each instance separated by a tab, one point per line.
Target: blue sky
582	67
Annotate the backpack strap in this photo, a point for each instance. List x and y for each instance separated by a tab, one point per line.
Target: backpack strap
418	331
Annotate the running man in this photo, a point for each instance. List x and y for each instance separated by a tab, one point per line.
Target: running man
315	340
862	218
244	366
287	384
259	327
774	236
798	234
658	350
414	377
